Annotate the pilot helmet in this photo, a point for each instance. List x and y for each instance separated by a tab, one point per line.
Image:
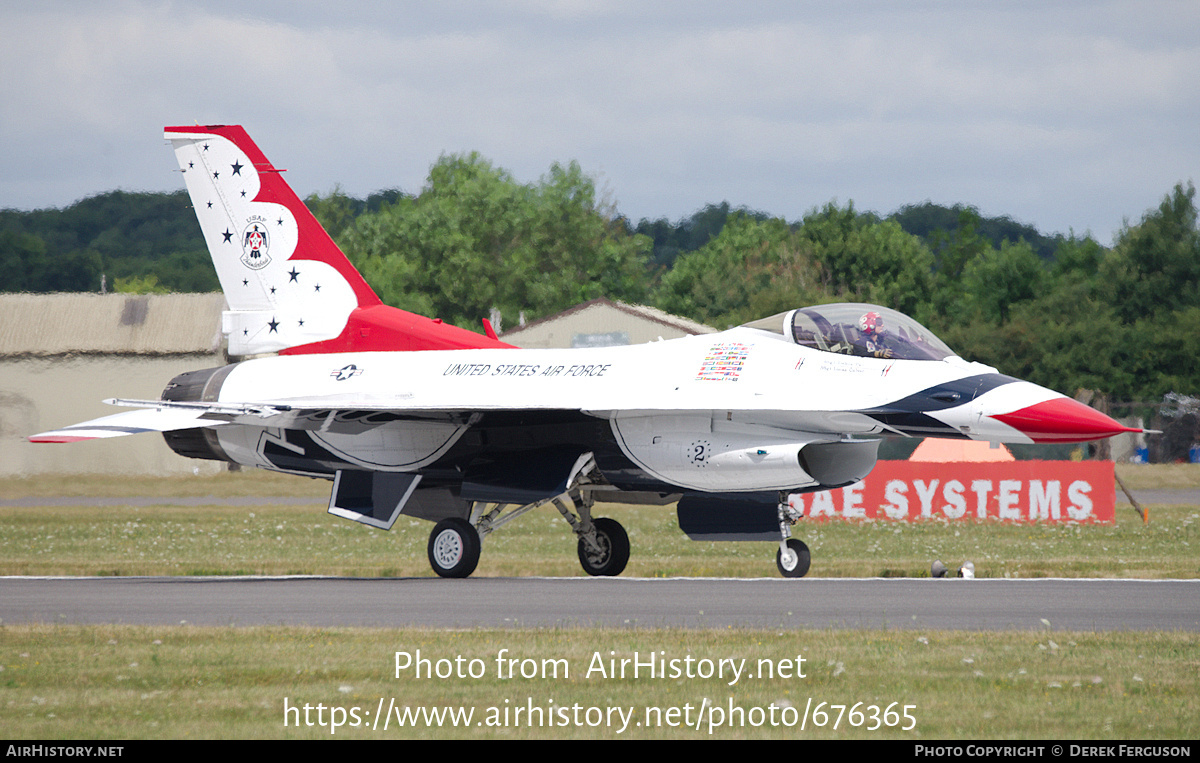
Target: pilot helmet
871	323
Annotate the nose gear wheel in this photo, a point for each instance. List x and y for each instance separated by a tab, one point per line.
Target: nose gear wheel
795	561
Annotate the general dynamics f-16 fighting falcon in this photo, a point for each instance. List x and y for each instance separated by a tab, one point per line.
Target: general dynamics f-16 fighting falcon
407	415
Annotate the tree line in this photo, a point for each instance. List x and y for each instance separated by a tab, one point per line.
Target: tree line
1062	311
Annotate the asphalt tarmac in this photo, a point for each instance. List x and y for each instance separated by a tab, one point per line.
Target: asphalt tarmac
905	604
1060	604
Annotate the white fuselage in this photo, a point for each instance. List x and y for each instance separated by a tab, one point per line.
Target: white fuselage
718	412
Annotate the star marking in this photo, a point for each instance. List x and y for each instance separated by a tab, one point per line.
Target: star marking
346	372
210	205
279	221
272	289
205	146
274	324
216	175
245	332
237	168
294	274
245	282
243	194
228	236
301	321
191	164
317	287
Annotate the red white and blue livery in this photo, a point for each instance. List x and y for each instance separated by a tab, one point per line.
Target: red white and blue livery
407	415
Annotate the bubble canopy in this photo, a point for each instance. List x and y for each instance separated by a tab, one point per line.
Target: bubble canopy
852	328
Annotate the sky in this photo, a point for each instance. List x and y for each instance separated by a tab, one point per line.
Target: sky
1069	116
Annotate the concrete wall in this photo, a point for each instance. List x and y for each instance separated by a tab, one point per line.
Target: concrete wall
39	394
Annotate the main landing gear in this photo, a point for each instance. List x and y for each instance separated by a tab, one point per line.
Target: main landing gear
455	544
454	548
606	552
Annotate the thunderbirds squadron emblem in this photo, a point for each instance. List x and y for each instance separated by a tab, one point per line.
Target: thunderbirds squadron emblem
256	245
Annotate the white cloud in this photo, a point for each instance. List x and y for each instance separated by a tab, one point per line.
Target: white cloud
778	106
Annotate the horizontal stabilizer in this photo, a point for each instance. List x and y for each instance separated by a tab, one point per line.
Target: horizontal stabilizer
127	423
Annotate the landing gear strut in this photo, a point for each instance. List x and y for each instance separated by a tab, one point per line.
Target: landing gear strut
792	558
603	542
455	543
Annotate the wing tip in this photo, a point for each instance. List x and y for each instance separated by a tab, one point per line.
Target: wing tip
51	437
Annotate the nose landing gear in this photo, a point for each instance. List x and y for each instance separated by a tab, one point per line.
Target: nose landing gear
793	557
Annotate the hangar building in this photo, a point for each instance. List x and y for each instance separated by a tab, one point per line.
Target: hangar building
602	323
61	355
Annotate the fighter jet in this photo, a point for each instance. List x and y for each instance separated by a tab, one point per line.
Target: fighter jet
407	415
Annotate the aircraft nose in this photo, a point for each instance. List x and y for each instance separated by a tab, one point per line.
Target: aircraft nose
1062	419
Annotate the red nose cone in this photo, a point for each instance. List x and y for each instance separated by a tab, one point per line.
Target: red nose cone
1063	420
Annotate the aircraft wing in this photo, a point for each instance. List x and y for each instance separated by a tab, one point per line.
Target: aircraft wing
150	419
351	413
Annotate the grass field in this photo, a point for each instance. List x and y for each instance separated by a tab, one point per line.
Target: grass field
118	682
272	539
111	682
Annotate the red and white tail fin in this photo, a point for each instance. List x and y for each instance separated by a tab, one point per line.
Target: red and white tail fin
290	289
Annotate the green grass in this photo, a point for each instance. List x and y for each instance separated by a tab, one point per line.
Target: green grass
117	682
282	539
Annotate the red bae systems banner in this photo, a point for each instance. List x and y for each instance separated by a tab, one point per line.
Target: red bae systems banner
1019	491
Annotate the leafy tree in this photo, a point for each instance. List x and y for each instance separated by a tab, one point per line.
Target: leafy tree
119	234
756	268
335	211
752	269
475	238
1163	355
139	285
21	255
691	233
929	221
1155	266
863	259
1076	260
952	248
996	279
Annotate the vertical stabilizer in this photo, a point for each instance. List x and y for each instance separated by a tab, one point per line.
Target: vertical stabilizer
290	289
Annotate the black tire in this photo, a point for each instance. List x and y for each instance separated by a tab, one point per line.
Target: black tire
614	544
796	567
454	548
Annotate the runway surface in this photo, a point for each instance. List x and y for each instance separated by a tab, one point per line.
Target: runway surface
1087	605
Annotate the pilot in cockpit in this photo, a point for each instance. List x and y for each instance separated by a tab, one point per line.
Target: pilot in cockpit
873	339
